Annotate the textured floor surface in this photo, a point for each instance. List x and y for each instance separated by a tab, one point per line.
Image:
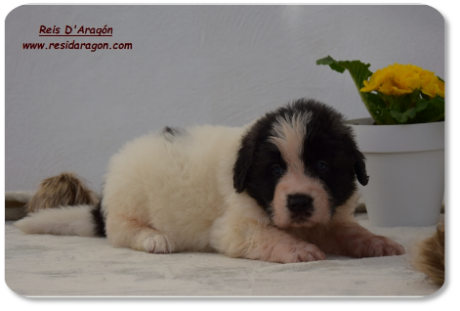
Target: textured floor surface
45	265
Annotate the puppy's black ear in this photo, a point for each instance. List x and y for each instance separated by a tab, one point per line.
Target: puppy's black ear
360	168
243	162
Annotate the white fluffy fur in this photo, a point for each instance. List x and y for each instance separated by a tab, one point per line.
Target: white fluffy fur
75	220
174	191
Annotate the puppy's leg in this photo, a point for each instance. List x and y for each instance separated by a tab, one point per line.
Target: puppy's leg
273	245
351	239
247	238
354	240
123	231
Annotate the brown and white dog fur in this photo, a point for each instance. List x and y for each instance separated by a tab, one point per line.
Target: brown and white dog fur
282	189
65	189
430	257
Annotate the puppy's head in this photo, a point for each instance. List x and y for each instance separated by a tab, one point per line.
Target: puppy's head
299	163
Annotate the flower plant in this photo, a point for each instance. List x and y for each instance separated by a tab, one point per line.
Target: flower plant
397	94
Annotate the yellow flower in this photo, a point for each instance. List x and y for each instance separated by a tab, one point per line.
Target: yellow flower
432	86
375	81
400	79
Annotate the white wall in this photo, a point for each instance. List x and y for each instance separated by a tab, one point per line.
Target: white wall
70	110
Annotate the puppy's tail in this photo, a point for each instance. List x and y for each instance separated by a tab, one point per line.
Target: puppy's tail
63	205
67	220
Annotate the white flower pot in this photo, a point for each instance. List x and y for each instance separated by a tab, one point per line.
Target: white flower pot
405	164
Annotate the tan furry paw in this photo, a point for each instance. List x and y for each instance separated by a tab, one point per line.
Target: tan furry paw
378	246
158	244
296	252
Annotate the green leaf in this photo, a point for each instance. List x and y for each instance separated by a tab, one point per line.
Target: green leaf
377	108
401	102
359	73
400	117
421	104
358	70
331	62
410	113
405	116
413	97
433	112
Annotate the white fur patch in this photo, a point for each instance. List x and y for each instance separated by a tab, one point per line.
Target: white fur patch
288	136
72	220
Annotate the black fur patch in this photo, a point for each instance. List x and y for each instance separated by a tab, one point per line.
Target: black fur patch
328	140
170	132
98	220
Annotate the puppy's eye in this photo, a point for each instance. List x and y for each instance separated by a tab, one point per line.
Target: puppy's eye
277	170
321	166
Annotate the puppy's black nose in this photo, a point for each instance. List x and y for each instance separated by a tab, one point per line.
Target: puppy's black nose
300	205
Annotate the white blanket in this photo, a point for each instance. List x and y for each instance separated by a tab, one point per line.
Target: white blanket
45	265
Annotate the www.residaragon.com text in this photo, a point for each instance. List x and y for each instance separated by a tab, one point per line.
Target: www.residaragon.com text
93	47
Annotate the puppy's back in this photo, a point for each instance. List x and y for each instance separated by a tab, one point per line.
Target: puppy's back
172	181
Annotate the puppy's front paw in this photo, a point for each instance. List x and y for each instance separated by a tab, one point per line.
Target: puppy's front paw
378	246
158	244
296	252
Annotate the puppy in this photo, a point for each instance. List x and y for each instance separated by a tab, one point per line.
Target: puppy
431	256
64	189
282	189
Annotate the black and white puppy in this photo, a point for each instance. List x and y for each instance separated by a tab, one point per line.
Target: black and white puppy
282	189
